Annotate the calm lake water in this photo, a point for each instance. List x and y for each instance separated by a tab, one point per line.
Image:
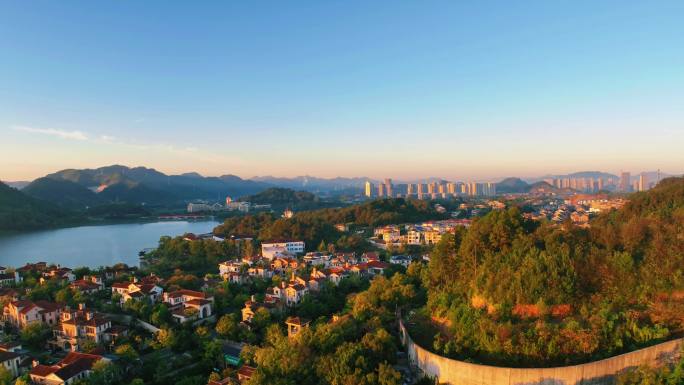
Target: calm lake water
93	246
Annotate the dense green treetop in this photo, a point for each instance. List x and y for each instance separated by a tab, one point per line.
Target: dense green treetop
513	291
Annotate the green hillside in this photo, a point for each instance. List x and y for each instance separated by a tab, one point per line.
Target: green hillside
62	192
516	292
19	211
277	195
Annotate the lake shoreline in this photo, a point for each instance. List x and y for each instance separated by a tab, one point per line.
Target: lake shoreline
100	243
108	221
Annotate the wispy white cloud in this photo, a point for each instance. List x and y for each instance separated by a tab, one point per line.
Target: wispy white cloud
64	134
103	139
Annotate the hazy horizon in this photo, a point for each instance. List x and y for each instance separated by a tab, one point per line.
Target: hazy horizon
401	90
634	173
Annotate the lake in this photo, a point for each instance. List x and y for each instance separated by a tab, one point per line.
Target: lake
93	246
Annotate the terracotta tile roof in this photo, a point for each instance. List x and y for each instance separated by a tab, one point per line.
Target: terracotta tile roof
72	357
43	370
188	293
378	264
49	306
146	287
246	371
197	302
27	309
86	285
297	321
21	303
75	363
225	381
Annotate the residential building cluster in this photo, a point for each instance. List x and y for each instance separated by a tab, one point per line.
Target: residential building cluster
624	183
73	328
430	190
299	275
425	233
230	205
578	208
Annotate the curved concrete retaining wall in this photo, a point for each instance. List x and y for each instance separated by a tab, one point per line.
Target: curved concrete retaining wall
601	372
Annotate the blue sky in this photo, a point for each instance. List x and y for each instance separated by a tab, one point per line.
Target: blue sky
389	88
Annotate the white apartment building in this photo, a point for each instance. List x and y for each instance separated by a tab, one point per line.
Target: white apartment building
271	250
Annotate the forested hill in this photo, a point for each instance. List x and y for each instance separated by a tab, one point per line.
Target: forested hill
62	192
277	195
21	212
316	226
515	292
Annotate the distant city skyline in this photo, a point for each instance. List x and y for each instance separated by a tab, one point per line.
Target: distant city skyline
381	178
469	91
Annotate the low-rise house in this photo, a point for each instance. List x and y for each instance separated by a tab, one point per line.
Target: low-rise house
291	294
9	278
115	332
10	359
369	256
279	265
580	218
260	272
402	260
337	274
294	293
361	268
118	270
60	273
389	234
8	295
80	325
229	267
377	267
234	278
186	305
137	291
245	373
32	267
271	304
23	313
317	259
316	279
75	366
296	325
88	285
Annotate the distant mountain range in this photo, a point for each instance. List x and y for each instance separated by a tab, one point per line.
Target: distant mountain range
79	188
